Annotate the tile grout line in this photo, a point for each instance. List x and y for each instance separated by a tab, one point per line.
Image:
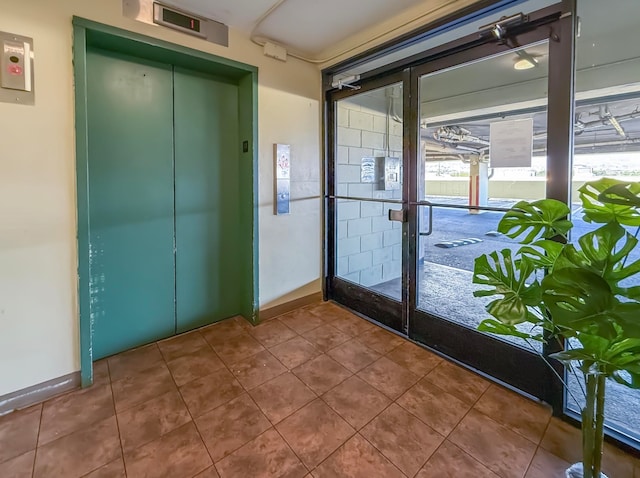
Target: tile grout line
166	363
115	415
245	391
363	427
273	425
35	455
434	452
466	414
540	447
115	412
392	402
444	437
193	419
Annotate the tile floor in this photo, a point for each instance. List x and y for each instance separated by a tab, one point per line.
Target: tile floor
316	393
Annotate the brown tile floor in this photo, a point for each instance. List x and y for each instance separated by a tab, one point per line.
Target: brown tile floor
316	393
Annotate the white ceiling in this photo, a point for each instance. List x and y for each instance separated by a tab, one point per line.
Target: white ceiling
312	26
240	14
306	26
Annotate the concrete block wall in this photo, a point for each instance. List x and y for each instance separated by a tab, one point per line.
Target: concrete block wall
369	247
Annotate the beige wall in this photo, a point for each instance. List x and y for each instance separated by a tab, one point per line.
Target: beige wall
38	257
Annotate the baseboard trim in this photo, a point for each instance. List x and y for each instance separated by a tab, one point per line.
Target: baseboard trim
38	393
277	310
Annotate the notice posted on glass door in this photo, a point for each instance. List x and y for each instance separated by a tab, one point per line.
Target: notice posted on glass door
511	143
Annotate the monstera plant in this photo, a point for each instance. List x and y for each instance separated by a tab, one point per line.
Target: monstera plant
583	295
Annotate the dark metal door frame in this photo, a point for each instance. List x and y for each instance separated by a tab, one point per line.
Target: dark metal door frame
555	24
385	310
492	356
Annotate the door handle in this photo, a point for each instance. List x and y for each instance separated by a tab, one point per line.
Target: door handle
430	229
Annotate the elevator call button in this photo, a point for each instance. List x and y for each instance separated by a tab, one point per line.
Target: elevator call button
17	78
15	64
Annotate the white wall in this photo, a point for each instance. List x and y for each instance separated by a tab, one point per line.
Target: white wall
38	256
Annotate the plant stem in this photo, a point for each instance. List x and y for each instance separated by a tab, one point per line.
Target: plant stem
599	426
562	380
593	424
567	344
588	428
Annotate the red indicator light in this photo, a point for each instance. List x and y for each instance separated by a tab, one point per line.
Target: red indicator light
15	69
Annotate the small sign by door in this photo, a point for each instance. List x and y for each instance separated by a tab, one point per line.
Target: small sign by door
282	153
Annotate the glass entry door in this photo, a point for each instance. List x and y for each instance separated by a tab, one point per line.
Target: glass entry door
423	163
367	202
481	147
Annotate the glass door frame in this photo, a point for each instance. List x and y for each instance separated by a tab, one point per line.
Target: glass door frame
381	308
497	358
557	24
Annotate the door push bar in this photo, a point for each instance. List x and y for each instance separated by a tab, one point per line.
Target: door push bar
399	215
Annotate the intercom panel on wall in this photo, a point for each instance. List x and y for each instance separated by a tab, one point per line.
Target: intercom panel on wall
16	69
384	171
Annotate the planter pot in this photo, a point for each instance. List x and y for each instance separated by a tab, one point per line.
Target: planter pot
576	471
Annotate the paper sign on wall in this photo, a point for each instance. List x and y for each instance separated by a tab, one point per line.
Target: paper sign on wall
511	143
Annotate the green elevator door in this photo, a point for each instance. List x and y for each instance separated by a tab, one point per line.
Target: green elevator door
164	200
131	201
207	187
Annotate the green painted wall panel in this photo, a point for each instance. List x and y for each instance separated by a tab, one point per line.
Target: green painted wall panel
248	218
131	209
209	233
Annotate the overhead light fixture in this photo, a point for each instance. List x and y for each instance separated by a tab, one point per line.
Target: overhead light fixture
525	64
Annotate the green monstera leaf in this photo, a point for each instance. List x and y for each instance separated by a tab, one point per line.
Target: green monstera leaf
610	200
580	301
544	219
512	281
611	356
590	291
623	194
624	356
593	351
605	252
494	326
542	254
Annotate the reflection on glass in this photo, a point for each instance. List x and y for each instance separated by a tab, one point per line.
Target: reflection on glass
483	135
607	144
369	166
